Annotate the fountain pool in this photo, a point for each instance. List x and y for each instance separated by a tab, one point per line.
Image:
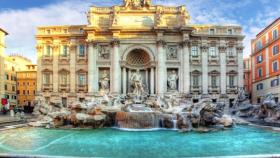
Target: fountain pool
108	142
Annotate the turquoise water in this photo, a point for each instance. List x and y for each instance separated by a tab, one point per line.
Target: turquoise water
241	140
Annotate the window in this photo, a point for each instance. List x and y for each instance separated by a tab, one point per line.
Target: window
214	81
275	34
81	50
275	66
63	79
46	78
64	52
260	72
230	52
212	51
274	82
13	88
7	77
28	92
48	31
230	31
260	86
231	81
23	92
48	51
259	59
6	87
194	51
82	80
259	44
195	81
212	31
275	49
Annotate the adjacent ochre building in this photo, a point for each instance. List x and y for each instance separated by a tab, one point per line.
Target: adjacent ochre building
266	63
76	62
2	56
13	64
26	86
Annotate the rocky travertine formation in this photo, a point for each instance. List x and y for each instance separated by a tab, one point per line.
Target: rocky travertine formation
169	112
267	113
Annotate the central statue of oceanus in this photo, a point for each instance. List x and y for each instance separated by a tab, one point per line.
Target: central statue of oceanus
137	83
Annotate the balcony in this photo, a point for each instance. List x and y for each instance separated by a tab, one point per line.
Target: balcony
82	88
195	59
64	58
214	89
47	58
64	87
266	44
231	59
232	89
213	59
81	57
47	87
196	89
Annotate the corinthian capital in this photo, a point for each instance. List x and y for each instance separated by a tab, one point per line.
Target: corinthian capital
161	43
115	42
185	43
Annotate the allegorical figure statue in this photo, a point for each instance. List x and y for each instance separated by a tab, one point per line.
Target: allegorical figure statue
137	83
104	81
172	80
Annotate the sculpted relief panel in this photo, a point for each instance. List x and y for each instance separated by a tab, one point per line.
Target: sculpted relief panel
172	53
104	52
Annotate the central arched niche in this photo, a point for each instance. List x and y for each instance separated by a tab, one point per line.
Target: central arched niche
138	58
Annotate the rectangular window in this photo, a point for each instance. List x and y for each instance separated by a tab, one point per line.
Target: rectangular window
259	59
260	72
46	78
6	87
64	52
48	51
230	31
275	34
214	81
212	31
195	81
63	79
194	51
82	80
7	77
81	50
274	82
212	51
23	92
231	81
230	52
259	86
275	49
275	66
259	44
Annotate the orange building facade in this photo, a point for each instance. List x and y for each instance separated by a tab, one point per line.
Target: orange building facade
265	60
26	87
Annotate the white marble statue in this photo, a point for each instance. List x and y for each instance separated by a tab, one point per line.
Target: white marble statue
137	83
172	80
104	81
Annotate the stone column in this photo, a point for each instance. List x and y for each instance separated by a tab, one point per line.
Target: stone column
186	67
161	69
223	70
40	53
204	56
92	69
239	51
124	81
116	69
73	54
152	80
55	81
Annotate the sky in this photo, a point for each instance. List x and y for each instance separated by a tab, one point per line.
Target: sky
21	17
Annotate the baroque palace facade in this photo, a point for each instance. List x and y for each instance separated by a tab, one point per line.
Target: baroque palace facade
171	55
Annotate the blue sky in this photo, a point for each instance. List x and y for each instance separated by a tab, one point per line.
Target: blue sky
21	17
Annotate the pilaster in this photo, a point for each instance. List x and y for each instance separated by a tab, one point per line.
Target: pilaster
115	69
239	51
161	69
92	68
56	51
223	69
73	54
186	67
204	56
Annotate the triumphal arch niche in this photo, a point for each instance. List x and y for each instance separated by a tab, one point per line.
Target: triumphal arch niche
140	48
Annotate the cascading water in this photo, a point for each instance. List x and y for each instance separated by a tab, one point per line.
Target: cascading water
174	120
